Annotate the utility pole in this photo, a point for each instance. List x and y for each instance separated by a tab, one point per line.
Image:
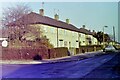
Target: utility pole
114	33
104	37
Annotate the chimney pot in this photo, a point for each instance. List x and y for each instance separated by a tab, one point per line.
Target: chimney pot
56	17
67	21
84	26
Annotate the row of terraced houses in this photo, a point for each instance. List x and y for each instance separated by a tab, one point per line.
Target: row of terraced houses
59	33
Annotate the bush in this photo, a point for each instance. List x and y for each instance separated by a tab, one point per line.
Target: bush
37	57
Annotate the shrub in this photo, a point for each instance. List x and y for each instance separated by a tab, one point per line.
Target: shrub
37	57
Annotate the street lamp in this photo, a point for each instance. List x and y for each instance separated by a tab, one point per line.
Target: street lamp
104	37
114	33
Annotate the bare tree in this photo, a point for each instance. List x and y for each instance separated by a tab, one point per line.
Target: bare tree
15	18
13	13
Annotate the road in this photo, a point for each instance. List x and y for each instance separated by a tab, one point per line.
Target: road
87	68
110	69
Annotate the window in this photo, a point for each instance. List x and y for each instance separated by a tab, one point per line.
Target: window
76	40
62	31
90	42
72	33
52	30
59	31
65	32
61	42
65	44
45	29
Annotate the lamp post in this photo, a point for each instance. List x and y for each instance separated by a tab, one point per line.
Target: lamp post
114	34
104	37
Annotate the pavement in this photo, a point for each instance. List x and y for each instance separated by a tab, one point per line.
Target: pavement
80	56
20	62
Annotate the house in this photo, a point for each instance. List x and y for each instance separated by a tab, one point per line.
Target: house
3	37
89	39
59	33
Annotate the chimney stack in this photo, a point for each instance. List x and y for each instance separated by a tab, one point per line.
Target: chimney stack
83	26
67	21
56	17
41	12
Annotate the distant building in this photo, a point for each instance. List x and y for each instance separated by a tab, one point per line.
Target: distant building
60	34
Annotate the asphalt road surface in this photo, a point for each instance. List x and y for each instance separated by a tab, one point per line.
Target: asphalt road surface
102	66
110	69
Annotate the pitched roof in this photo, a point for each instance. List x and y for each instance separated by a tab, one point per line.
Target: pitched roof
34	18
83	30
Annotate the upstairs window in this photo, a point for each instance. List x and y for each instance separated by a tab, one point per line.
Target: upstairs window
65	32
45	29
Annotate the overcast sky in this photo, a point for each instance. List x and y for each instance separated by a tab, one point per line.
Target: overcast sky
94	15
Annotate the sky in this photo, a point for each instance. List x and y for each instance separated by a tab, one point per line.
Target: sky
95	15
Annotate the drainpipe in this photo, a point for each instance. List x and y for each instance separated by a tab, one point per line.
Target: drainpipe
78	42
57	38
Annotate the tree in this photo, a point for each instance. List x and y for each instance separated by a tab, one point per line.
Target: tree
99	36
19	28
12	14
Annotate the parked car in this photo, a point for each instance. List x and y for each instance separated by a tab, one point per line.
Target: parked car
110	48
